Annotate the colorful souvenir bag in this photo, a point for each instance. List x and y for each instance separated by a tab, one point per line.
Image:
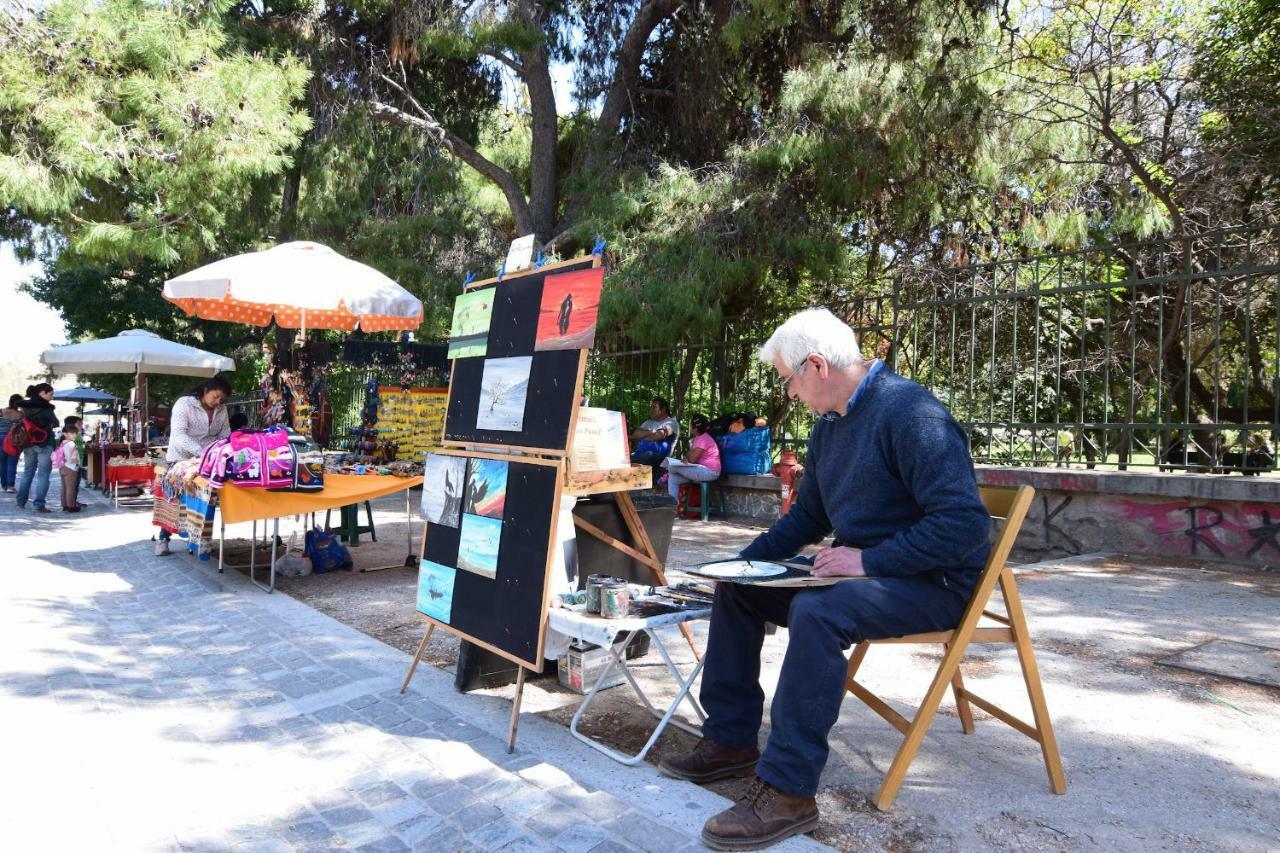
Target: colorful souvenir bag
308	465
257	459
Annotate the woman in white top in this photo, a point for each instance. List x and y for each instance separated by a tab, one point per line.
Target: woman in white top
197	420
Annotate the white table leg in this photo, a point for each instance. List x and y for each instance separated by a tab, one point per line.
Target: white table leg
617	658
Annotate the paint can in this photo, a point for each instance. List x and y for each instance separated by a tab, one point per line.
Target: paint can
593	591
615	599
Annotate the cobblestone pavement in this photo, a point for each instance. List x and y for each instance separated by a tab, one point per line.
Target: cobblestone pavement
152	704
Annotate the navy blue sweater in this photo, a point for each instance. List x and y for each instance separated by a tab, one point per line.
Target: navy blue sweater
893	477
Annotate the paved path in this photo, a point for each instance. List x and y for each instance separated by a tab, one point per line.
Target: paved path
152	704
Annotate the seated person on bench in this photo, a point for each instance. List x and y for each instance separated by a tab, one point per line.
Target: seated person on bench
703	458
655	437
889	471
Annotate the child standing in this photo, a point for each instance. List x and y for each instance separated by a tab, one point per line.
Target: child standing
67	460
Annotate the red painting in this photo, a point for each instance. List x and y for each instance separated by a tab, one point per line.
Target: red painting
570	303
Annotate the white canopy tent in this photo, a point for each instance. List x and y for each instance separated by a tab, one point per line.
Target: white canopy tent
134	351
139	352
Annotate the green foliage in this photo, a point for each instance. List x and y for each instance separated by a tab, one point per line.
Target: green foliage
134	131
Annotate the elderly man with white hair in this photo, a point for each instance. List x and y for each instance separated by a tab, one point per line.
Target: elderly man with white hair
888	472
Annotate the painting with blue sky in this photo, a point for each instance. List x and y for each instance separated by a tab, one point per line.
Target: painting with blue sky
478	545
435	590
486	492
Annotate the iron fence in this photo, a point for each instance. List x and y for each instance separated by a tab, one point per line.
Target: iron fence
1155	354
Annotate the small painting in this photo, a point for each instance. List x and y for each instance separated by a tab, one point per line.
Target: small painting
444	479
503	390
486	492
435	590
478	545
570	304
469	334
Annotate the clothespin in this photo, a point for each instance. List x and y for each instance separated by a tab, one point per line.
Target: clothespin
598	248
538	261
470	278
502	271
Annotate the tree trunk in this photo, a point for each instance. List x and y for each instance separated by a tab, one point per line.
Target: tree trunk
542	155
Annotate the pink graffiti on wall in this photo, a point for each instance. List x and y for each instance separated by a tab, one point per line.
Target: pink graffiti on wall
1221	529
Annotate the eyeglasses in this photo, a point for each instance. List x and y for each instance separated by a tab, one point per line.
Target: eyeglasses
795	371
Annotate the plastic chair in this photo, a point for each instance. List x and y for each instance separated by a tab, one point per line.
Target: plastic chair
1012	506
702	508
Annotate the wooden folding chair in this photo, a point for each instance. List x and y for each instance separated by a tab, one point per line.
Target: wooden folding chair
1010	505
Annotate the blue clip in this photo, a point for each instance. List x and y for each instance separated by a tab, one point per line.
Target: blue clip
502	271
539	261
598	248
470	278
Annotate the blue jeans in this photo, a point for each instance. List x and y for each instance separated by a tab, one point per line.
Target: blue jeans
823	623
8	470
36	465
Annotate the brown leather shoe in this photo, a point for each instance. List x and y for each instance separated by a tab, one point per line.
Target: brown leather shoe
763	817
710	761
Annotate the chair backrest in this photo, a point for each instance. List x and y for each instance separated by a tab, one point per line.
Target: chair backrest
1009	505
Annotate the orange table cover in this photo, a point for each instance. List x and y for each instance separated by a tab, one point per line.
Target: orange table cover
249	504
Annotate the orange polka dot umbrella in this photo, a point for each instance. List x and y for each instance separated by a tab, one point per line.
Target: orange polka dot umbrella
299	285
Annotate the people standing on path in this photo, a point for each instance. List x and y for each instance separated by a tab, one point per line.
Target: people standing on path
197	420
10	415
889	473
703	458
67	460
37	459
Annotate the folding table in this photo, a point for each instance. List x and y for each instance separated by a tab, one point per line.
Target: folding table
592	628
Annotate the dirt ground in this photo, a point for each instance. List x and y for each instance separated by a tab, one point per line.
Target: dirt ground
1099	625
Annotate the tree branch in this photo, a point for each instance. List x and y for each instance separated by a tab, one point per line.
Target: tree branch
461	149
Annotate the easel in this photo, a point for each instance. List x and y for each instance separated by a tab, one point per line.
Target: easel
619	482
620	487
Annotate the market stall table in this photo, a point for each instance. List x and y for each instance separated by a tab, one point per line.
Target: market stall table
239	504
593	628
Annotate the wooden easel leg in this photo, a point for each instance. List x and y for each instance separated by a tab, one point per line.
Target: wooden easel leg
431	626
641	537
855	662
515	711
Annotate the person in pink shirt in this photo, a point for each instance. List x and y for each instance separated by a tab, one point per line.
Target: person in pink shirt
701	463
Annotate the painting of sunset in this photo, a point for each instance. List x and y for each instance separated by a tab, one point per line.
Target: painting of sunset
486	492
570	304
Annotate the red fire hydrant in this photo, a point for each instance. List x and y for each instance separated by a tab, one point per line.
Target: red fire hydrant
789	471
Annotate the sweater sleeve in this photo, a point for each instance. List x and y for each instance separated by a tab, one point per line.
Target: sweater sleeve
804	524
932	455
180	432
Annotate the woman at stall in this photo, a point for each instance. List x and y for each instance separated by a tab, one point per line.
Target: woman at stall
37	460
197	420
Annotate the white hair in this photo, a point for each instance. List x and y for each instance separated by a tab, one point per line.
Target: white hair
816	331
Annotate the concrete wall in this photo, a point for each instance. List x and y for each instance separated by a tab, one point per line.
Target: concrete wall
1221	517
1198	516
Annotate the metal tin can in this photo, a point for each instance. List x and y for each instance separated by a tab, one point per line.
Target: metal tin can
593	591
615	599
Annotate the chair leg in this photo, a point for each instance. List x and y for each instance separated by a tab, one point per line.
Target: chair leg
368	510
919	727
962	701
1031	675
855	661
704	497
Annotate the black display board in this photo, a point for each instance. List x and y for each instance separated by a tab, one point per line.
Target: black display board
555	376
507	613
